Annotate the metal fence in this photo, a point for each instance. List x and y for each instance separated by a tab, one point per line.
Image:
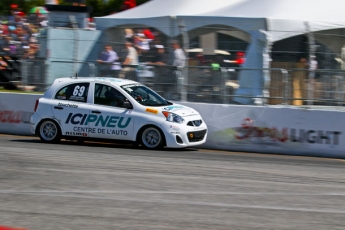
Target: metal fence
206	84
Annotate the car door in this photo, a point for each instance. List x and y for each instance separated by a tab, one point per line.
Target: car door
71	109
108	117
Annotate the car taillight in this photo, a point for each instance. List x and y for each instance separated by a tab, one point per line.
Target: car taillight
36	105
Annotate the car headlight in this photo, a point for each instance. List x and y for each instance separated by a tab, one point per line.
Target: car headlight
172	117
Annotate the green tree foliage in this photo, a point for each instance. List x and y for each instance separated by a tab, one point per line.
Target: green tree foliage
99	7
106	7
23	5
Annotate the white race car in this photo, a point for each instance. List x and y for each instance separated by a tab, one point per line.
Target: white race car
114	109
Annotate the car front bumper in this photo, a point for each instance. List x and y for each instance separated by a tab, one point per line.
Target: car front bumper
182	135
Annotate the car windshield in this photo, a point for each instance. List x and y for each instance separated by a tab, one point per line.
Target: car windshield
145	95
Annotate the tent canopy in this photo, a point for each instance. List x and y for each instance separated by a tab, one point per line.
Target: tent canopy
283	18
159	8
158	13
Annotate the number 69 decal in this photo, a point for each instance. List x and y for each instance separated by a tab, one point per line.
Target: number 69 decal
78	91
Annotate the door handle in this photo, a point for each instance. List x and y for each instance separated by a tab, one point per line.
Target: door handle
96	111
58	107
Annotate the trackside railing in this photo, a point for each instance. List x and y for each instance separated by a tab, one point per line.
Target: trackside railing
205	84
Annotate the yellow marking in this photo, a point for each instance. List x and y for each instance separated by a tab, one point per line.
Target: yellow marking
149	110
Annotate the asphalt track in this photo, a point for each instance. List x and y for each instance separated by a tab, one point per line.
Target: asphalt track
111	186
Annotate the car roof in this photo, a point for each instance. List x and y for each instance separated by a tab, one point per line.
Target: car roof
110	80
59	82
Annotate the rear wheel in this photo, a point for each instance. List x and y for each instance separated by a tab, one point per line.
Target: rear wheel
152	138
49	131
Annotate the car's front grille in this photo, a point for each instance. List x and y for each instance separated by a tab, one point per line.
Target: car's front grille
196	136
195	123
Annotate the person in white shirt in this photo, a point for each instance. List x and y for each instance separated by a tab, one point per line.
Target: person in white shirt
179	55
109	67
131	59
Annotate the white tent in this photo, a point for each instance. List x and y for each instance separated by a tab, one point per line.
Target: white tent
159	13
266	21
283	18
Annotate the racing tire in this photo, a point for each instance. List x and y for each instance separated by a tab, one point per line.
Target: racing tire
152	137
49	131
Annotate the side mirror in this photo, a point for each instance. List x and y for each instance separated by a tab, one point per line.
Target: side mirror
127	105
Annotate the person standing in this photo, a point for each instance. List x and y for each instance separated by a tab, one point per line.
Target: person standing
159	57
177	78
130	60
108	66
179	55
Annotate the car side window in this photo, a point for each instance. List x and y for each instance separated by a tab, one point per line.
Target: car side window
107	95
73	92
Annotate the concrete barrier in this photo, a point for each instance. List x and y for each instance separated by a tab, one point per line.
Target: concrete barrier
274	129
15	112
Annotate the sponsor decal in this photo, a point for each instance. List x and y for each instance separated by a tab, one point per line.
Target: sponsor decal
119	132
248	132
77	98
98	120
68	105
150	110
172	107
130	85
14	117
176	128
175	132
76	134
315	136
107	79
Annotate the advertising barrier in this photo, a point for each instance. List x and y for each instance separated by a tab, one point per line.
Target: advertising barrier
15	112
264	129
274	129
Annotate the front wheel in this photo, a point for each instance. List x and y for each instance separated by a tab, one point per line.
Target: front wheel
152	138
49	131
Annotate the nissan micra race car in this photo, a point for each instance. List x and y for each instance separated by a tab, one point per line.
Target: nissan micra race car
114	109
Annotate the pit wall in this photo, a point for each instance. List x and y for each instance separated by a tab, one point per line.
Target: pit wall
263	129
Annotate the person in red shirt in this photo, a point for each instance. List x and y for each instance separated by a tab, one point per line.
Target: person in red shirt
148	34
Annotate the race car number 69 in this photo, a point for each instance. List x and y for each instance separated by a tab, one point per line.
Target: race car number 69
78	91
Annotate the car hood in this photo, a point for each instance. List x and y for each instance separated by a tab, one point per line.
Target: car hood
180	110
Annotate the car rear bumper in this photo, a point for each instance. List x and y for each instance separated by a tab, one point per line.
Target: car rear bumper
34	120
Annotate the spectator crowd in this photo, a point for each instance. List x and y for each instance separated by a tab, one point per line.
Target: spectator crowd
141	46
18	35
18	41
